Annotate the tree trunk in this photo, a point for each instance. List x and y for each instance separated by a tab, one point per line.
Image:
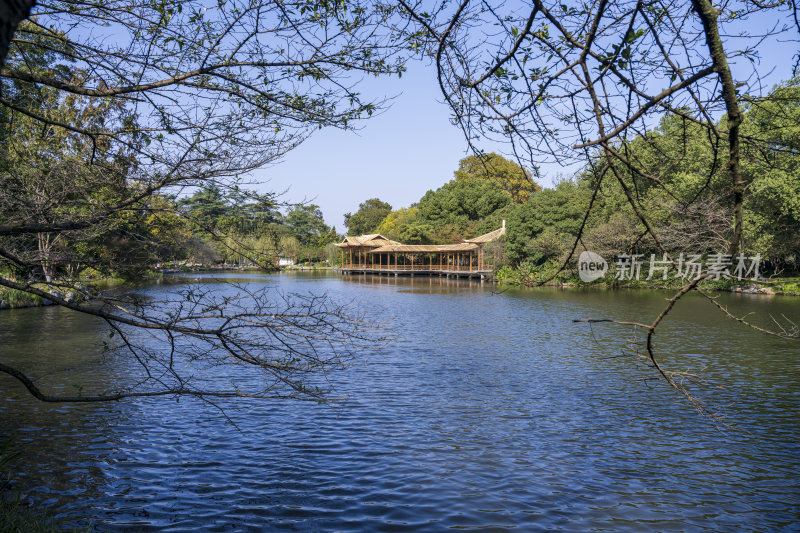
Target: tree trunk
708	16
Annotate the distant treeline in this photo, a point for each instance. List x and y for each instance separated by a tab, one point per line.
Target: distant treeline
238	227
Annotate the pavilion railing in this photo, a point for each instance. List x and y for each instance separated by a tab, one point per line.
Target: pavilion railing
415	267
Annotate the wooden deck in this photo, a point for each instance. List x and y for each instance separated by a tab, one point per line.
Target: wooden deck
419	270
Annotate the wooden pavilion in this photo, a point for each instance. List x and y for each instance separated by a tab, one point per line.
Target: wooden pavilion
377	254
355	249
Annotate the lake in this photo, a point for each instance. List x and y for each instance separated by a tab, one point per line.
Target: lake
489	410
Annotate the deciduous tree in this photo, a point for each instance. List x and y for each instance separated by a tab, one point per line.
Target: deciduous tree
459	201
192	94
574	84
369	216
513	178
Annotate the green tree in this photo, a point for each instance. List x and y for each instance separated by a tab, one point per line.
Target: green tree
307	225
460	201
542	227
254	212
289	247
369	216
515	180
206	207
418	232
772	170
392	224
44	178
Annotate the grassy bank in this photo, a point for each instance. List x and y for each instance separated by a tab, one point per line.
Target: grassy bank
14	299
527	274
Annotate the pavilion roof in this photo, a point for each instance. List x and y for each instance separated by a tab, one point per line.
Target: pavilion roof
425	248
372	240
488	237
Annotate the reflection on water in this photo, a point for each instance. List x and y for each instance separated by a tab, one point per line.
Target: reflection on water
489	410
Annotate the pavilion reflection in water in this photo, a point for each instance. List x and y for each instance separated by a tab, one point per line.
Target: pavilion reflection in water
374	253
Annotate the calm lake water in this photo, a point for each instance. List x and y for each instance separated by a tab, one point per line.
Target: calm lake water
489	411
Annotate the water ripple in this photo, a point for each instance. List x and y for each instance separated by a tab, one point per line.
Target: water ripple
490	412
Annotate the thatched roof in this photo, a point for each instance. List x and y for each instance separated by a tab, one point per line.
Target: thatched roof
425	248
373	240
488	237
381	244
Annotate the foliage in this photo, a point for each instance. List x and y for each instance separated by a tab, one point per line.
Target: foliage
540	228
206	207
306	224
290	247
419	232
369	216
772	170
459	201
392	224
333	255
512	178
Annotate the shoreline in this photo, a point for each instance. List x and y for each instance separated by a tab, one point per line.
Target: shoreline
769	288
13	299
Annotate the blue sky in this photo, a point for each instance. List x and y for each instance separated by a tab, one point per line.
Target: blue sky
397	156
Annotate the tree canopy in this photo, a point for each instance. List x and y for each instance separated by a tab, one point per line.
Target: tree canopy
512	178
462	200
554	214
308	226
369	216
